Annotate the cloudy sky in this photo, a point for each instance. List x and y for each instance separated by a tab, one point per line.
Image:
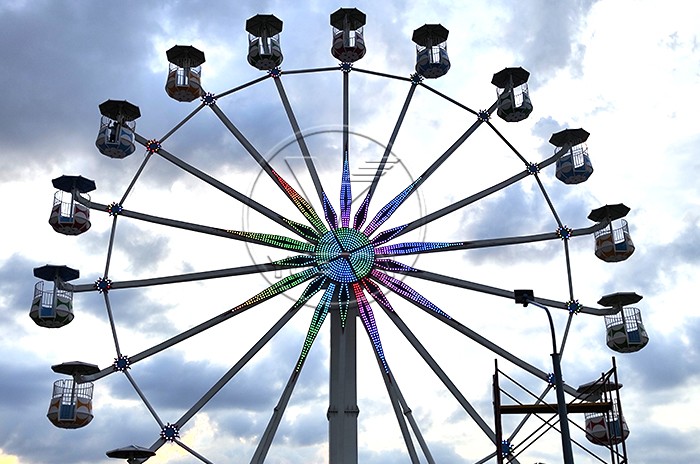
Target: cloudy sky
627	72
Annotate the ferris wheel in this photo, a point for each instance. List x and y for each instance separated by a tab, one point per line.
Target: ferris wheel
344	261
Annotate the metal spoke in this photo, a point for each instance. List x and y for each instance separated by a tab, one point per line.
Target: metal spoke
299	201
309	292
386	212
295	227
362	212
478	196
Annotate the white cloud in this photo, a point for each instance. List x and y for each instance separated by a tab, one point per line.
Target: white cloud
624	71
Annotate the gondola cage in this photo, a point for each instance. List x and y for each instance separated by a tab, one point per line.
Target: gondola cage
116	135
574	165
514	102
264	51
607	428
68	217
71	401
348	37
52	304
613	243
184	73
432	60
625	332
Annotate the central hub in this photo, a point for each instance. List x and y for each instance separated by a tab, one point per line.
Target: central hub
345	255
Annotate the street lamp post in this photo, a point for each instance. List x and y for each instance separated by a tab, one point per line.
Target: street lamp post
526	297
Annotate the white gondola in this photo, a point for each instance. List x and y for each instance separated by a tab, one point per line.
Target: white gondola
607	428
68	217
52	304
184	73
432	60
71	401
625	332
116	135
574	165
348	37
264	51
613	243
514	102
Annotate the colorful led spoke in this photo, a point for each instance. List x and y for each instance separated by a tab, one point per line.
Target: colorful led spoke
306	209
361	214
393	266
296	261
386	212
343	303
345	193
402	289
410	248
329	212
305	231
367	317
277	288
316	322
278	241
377	294
387	235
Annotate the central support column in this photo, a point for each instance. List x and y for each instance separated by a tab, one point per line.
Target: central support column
342	410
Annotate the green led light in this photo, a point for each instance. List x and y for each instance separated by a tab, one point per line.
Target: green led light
345	255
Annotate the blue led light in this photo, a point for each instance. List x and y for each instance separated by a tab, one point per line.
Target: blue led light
208	99
170	432
573	306
122	363
386	212
413	247
114	209
403	290
564	233
103	284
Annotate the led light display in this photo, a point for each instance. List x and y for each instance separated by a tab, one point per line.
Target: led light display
386	212
278	241
410	248
306	209
345	255
329	212
316	322
367	317
345	194
277	288
407	292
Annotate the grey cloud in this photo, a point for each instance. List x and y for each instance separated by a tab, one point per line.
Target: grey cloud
659	261
543	34
17	287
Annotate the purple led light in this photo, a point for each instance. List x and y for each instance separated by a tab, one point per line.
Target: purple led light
406	292
386	212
